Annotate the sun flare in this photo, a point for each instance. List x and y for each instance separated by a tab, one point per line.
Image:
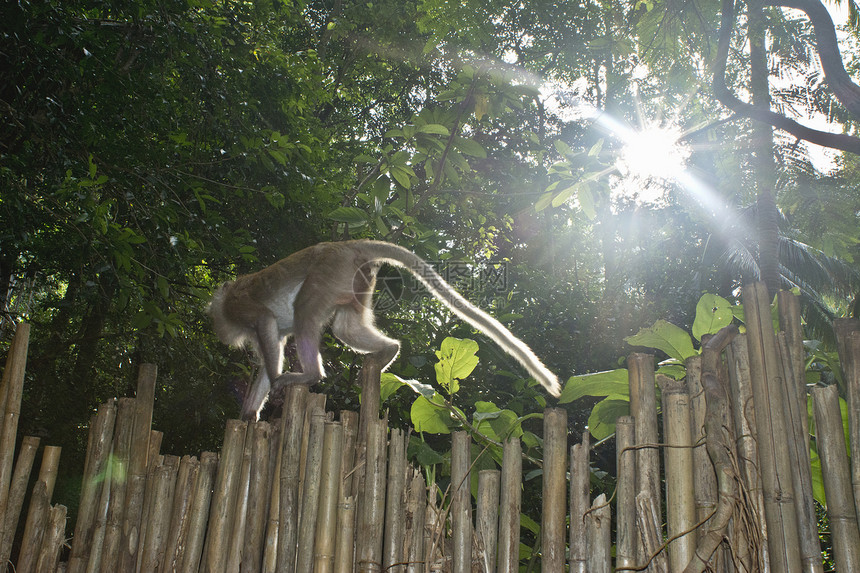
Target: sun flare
654	153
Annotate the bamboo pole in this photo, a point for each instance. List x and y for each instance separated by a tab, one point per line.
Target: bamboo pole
371	506
553	531
704	476
461	501
625	507
598	533
349	421
158	525
180	514
11	390
270	540
137	465
199	512
837	475
772	432
125	408
392	553
416	516
649	531
345	551
643	408
853	391
98	450
580	488
291	432
236	539
511	502
34	529
678	460
325	545
227	486
487	516
100	521
53	540
315	417
371	371
17	491
259	493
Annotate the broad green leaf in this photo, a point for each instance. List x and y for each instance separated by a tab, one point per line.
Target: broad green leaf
494	423
434	129
402	175
389	385
586	201
351	215
667	337
544	201
601	422
431	416
712	313
563	195
596	384
470	147
456	361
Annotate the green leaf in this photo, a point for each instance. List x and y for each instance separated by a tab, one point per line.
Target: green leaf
470	147
389	385
350	215
494	423
586	201
667	337
456	361
431	416
601	422
596	384
402	175
544	202
434	129
712	313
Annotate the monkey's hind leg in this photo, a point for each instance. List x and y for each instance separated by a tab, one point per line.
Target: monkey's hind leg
356	330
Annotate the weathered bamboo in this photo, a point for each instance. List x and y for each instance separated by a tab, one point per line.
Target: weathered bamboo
704	476
772	432
650	538
852	382
371	505
554	496
48	467
17	491
98	450
158	525
259	493
325	545
11	390
801	473
315	418
100	521
292	425
349	421
156	460
180	513
790	323
392	552
123	426
625	507
227	485
199	512
416	515
461	501
345	551
371	371
580	502
34	529
844	328
837	478
678	460
487	516
598	534
52	540
270	546
511	501
236	540
137	465
643	408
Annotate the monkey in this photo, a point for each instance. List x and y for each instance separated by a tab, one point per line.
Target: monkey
332	283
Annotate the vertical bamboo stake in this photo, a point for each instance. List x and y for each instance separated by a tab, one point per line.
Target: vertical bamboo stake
236	540
599	530
392	552
416	513
343	556
782	526
371	371
153	551
487	516
553	531
580	489
53	540
326	532
47	475
461	501
643	408
100	438
227	484
292	426
511	501
678	458
626	497
258	495
704	476
837	486
180	514
349	420
199	512
137	464
17	491
372	501
125	409
270	545
853	384
100	520
34	529
316	418
650	538
11	390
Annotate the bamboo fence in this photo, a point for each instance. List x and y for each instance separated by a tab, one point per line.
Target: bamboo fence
311	493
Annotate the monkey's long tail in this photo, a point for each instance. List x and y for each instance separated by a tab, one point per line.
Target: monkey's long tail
470	313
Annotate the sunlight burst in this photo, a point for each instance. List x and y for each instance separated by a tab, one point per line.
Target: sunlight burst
654	153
